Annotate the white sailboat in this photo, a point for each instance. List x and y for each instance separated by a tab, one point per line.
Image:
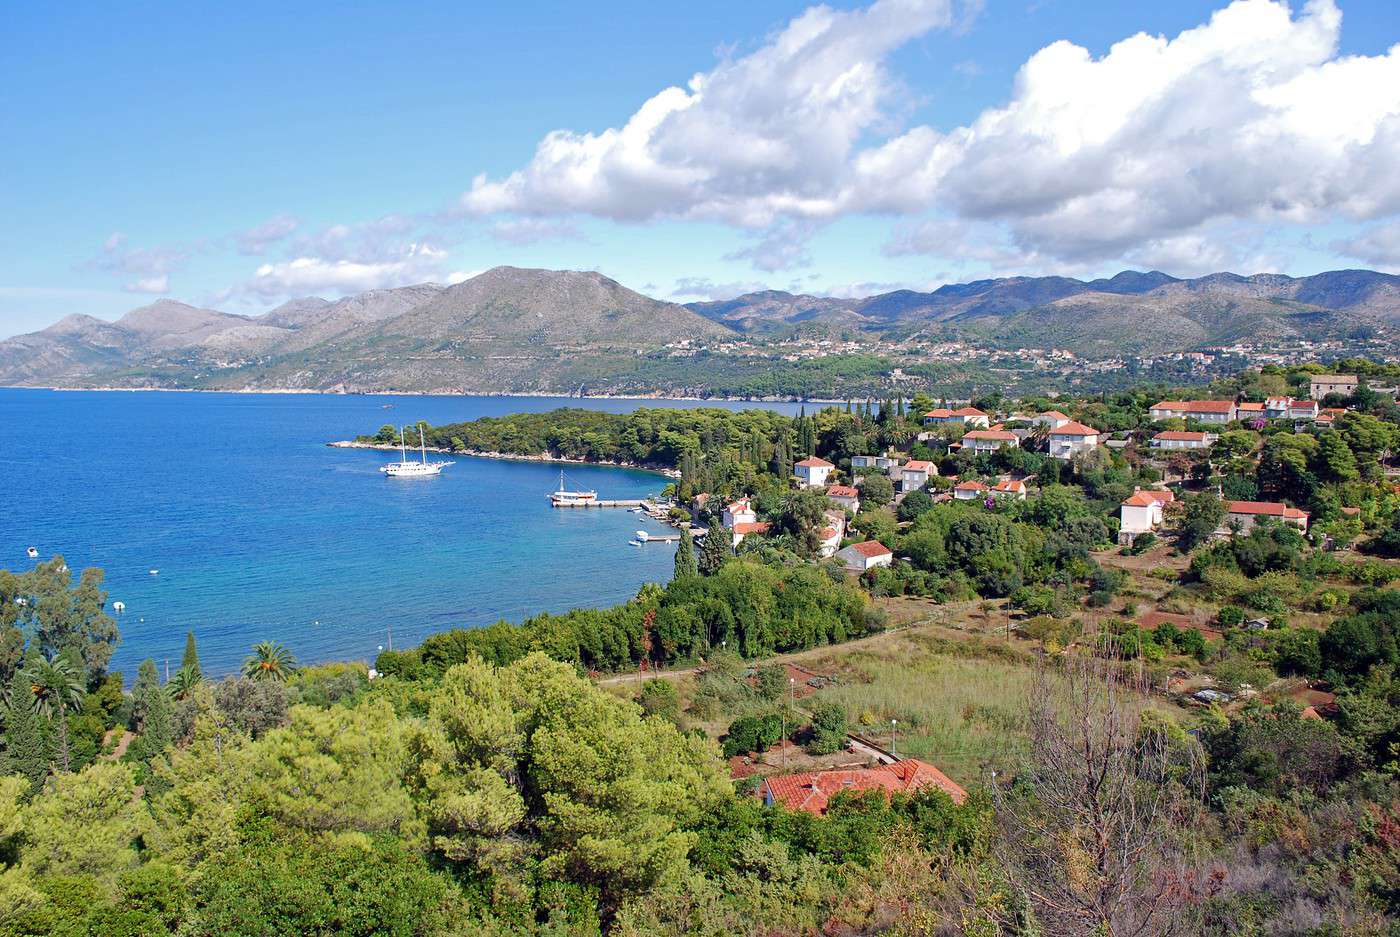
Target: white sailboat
564	498
404	468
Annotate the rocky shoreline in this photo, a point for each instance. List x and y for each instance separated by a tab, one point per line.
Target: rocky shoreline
511	457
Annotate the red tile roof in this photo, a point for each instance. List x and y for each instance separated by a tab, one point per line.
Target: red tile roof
941	413
814	462
1250	407
1055	414
970	485
752	527
1016	486
1140	499
1074	429
842	491
811	792
999	435
1180	435
968	411
1265	508
918	465
1195	406
870	549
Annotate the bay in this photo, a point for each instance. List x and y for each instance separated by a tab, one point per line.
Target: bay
259	531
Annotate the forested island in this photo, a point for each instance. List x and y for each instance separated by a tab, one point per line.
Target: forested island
1148	639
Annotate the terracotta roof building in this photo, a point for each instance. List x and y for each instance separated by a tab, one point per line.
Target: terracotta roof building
812	792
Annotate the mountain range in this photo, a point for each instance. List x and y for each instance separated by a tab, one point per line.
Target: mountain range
523	330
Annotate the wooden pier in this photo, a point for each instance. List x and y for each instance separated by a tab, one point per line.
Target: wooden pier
605	504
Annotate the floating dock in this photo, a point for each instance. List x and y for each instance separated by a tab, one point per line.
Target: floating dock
604	504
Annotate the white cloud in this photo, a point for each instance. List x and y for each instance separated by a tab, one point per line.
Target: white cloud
157	284
766	135
1378	245
1149	150
257	239
309	275
783	246
149	262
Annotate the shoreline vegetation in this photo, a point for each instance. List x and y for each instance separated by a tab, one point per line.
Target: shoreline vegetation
659	396
510	457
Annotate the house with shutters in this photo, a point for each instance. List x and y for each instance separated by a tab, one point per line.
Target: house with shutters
1051	419
1183	439
963	416
844	496
812	472
989	440
1009	488
1320	385
1071	439
1202	411
738	512
865	556
1245	514
970	490
915	473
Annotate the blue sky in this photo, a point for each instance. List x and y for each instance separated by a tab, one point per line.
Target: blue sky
237	157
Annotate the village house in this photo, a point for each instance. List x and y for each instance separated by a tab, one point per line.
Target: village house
1202	411
738	512
880	463
1328	416
1303	410
970	490
844	496
864	556
1183	439
1246	513
746	528
1071	439
829	537
812	472
1249	411
1320	385
915	473
965	416
989	440
1276	408
812	792
1009	488
1141	513
1053	419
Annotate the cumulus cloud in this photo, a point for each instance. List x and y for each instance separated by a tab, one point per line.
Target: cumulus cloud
761	136
1378	245
1252	117
308	275
158	285
257	239
783	246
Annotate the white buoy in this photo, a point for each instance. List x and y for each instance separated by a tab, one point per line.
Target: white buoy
118	607
33	552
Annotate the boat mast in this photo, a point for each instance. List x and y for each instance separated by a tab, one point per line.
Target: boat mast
423	443
403	452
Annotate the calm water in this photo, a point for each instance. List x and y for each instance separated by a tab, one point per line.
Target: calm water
259	531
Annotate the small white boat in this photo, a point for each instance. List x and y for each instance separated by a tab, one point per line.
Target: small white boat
643	536
155	572
635	543
33	553
564	498
118	607
406	469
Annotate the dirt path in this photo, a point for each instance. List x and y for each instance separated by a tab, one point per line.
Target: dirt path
122	743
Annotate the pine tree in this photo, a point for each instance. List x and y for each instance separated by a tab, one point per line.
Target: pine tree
717	548
153	713
27	743
191	658
685	557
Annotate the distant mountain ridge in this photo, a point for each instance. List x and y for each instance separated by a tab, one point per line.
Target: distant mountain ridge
527	330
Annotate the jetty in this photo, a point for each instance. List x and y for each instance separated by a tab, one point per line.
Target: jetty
637	503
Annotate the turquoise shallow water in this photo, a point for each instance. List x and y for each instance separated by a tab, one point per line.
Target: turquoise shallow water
260	531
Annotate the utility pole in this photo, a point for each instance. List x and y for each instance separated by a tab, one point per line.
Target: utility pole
894	723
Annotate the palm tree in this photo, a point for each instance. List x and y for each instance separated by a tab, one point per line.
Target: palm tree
57	687
183	683
269	660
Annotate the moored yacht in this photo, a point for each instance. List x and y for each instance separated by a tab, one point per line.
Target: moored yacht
405	468
564	498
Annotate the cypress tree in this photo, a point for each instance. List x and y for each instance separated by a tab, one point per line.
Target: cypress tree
27	744
685	556
153	712
191	658
718	547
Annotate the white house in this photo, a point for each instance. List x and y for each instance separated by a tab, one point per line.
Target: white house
964	416
830	535
811	472
738	512
880	463
1203	411
1014	489
1305	410
1276	408
1182	439
1070	439
989	440
744	529
860	557
1320	385
1141	513
1053	419
1247	513
915	473
970	490
844	496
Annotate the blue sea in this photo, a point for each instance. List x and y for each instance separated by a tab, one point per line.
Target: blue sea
259	531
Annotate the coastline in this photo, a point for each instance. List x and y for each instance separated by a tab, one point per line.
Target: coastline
659	396
512	457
